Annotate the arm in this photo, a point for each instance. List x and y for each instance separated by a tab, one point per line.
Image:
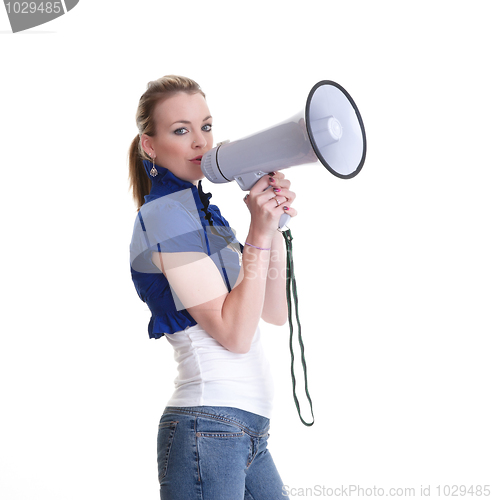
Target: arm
275	305
230	318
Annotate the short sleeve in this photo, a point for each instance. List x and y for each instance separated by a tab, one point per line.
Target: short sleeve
171	224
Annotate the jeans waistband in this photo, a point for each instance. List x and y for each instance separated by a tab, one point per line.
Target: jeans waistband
253	424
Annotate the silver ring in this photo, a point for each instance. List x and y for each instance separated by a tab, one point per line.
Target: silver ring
276	199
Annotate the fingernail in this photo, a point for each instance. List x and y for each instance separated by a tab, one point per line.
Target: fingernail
272	173
277	190
286	208
272	179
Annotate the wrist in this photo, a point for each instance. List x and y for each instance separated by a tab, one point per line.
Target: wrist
257	248
259	240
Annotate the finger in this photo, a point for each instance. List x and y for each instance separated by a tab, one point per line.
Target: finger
287	193
279	198
265	196
276	182
287	210
272	179
277	175
277	201
279	204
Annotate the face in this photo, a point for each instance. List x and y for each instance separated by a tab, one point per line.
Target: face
183	135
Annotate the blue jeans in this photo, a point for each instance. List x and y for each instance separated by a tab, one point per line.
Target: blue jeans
215	453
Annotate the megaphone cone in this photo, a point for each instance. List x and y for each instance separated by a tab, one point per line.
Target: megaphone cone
335	129
328	129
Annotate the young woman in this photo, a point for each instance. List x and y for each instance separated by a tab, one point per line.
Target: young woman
206	293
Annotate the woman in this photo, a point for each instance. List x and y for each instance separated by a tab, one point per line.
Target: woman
186	265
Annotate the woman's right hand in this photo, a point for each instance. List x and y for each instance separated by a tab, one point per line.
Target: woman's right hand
268	199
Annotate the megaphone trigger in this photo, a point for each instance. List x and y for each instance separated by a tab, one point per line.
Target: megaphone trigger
248	180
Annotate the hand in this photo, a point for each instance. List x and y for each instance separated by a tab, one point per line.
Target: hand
268	199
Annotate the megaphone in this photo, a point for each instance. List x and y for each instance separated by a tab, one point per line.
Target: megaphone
329	129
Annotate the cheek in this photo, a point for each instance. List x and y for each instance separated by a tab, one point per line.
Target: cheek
171	148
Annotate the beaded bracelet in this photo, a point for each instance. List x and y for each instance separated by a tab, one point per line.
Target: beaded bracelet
259	248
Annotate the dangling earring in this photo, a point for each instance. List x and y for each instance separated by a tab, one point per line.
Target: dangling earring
153	171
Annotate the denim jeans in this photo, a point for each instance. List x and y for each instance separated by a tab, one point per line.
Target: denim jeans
215	453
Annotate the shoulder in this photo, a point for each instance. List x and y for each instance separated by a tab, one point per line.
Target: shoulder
179	201
176	213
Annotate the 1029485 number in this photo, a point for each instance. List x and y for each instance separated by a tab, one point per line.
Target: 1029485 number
33	7
462	490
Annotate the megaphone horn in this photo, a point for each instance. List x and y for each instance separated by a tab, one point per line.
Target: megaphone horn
328	129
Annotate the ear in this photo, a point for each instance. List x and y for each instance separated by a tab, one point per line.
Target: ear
147	145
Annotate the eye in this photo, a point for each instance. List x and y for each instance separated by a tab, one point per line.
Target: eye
180	131
207	127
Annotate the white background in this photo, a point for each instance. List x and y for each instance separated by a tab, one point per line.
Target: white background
393	266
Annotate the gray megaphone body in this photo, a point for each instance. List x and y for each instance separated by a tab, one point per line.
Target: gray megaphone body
329	130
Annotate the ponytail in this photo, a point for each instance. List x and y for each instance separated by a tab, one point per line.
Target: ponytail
139	181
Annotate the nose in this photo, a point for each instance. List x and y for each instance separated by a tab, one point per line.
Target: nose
199	141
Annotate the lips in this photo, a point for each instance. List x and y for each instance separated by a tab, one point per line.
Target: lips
197	160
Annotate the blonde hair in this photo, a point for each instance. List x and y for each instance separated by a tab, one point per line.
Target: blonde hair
157	91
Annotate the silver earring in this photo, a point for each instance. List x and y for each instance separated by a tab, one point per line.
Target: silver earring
153	171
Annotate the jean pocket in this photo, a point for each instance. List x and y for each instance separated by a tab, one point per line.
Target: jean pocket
212	428
165	438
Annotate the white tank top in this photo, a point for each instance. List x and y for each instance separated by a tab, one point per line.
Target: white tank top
210	375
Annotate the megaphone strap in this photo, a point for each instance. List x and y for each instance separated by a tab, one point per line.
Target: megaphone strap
292	294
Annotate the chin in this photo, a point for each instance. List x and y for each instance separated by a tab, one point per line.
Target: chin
195	178
199	175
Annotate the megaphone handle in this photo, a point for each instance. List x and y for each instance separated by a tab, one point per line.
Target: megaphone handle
284	220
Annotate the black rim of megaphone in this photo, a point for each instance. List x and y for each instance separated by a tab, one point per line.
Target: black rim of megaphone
310	134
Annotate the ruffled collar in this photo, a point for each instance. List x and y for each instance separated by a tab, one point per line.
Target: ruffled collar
164	182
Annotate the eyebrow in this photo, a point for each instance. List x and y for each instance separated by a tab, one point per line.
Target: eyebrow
188	122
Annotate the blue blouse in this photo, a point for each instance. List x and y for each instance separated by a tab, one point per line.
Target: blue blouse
177	217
